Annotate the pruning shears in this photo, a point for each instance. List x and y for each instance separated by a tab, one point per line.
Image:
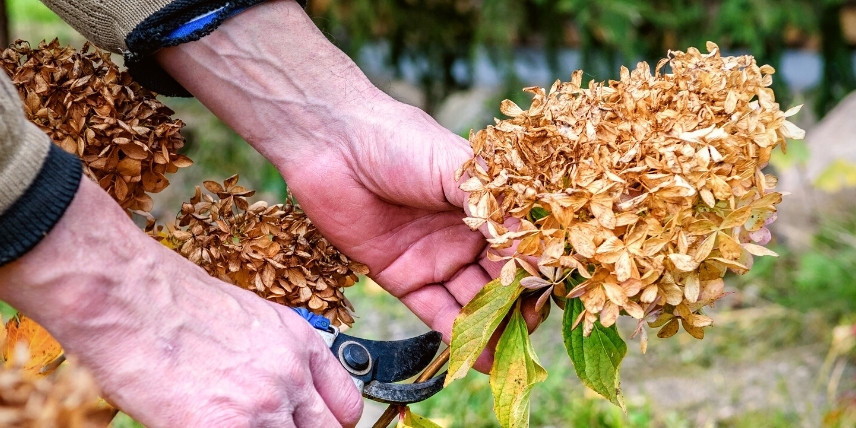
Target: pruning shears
376	365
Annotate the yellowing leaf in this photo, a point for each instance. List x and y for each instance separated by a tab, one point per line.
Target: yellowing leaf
477	321
597	357
412	420
41	347
515	371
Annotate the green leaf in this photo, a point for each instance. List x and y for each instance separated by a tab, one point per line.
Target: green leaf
412	420
537	213
6	312
515	371
597	358
477	321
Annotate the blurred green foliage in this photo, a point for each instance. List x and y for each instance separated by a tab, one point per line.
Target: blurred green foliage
443	34
6	311
29	10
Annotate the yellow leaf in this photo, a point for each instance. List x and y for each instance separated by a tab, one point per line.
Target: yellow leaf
477	321
412	420
701	227
515	372
41	347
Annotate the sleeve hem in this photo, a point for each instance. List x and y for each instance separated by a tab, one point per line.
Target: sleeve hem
169	27
34	214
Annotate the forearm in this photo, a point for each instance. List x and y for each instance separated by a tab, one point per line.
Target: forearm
84	271
167	343
272	76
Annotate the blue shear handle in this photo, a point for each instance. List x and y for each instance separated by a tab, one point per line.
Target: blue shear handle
320	322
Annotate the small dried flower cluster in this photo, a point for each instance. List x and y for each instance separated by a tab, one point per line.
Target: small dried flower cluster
34	393
272	250
125	136
647	189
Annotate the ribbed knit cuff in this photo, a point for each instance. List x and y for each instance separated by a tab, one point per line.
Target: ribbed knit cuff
179	22
35	213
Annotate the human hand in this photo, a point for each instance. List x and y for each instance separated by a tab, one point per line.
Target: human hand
167	343
376	176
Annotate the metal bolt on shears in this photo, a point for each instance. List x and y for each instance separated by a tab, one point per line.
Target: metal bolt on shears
376	365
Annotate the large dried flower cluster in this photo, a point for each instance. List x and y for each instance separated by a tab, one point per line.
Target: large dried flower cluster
123	134
272	250
647	189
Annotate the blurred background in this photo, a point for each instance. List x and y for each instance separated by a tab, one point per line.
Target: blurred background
782	352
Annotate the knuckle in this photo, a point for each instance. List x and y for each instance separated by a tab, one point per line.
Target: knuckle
352	409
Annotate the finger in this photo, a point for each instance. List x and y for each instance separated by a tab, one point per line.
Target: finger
470	280
452	155
439	245
313	412
435	306
484	362
335	387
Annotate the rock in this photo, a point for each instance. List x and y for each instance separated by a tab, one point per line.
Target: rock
470	109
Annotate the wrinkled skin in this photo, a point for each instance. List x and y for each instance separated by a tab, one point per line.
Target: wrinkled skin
166	342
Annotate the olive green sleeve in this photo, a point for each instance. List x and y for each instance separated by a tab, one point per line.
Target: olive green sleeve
105	23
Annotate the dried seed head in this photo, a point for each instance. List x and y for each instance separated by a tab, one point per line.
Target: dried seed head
648	188
126	138
272	250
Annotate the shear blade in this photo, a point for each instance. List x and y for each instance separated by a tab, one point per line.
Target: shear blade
394	360
403	393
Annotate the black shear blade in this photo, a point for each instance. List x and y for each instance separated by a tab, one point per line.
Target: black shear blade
403	393
394	360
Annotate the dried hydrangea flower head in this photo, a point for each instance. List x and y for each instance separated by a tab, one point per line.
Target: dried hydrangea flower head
90	108
644	189
272	250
